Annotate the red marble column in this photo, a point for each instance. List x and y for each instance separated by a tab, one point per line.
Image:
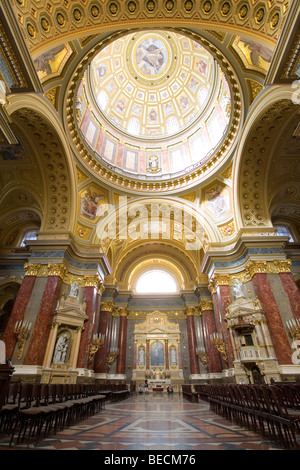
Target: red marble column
18	313
191	334
106	310
223	294
278	334
209	327
167	354
120	369
292	292
147	354
40	334
90	296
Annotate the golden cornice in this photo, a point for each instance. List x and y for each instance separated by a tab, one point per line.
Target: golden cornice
171	315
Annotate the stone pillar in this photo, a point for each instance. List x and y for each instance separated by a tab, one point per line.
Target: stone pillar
135	354
277	330
209	327
179	354
42	327
290	286
90	297
19	308
106	310
147	354
221	298
191	334
121	361
167	354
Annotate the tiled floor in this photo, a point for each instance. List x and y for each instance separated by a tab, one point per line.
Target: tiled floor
150	423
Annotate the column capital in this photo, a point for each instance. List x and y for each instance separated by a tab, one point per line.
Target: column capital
32	269
122	311
206	305
58	270
190	311
107	307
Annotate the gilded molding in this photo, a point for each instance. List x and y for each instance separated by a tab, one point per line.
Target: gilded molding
191	311
206	305
57	270
122	311
32	269
107	307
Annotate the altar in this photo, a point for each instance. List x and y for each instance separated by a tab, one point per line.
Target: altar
157	353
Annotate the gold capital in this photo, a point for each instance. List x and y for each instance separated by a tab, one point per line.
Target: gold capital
57	270
32	269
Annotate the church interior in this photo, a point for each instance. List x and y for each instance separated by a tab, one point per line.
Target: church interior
130	253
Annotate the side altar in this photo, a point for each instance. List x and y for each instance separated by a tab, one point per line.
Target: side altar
157	353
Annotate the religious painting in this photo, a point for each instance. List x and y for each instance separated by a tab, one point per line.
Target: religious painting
92	203
217	201
52	62
252	54
11	152
157	354
151	56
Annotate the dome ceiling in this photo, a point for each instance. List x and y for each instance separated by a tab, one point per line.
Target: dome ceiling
153	105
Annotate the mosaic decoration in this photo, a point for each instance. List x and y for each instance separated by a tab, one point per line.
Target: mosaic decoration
252	54
152	90
51	63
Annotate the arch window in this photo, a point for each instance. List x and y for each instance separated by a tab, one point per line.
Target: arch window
156	282
29	235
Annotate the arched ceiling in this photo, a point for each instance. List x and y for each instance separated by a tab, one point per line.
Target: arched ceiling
62	38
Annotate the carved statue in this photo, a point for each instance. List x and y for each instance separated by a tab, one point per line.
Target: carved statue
61	349
238	289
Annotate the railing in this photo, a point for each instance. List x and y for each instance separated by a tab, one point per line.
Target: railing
249	353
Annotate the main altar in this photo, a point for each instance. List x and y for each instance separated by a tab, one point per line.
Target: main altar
157	353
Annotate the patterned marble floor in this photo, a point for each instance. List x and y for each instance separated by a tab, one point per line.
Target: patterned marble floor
150	423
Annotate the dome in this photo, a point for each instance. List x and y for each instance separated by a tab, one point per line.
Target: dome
153	105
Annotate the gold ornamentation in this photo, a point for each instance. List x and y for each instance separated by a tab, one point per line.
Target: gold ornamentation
57	270
190	311
96	342
107	307
22	330
220	345
32	269
206	305
203	356
122	311
294	328
283	266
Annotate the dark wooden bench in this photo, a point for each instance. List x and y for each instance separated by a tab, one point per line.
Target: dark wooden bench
119	394
188	393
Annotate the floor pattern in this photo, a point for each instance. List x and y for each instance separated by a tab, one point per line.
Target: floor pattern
150	423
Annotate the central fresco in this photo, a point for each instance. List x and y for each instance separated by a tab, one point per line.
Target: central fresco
153	103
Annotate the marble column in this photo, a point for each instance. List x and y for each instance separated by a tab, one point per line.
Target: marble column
19	308
292	292
147	354
42	327
278	334
121	361
90	297
106	310
167	354
209	327
192	341
179	354
135	354
221	298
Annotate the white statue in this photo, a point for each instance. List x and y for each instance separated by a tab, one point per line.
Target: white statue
173	356
2	353
74	290
238	289
141	356
60	350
